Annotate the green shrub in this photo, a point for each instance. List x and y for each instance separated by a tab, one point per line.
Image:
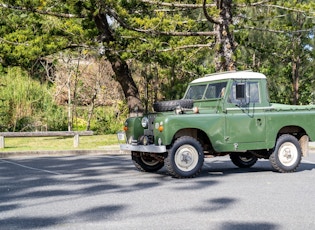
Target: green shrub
26	103
105	119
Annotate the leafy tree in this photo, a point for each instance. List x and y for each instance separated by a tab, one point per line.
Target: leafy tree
176	40
276	39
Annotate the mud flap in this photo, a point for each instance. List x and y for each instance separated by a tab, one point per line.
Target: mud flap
304	143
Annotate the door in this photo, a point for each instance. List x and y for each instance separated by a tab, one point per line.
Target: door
245	118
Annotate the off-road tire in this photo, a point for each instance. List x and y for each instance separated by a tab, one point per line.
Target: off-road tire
185	158
164	106
243	160
146	163
287	154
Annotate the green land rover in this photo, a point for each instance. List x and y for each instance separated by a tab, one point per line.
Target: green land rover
220	114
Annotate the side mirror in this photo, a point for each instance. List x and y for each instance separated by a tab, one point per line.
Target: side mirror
240	91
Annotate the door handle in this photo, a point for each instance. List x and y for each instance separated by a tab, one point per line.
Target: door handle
258	122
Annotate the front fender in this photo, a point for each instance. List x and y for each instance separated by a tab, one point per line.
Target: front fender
211	124
134	128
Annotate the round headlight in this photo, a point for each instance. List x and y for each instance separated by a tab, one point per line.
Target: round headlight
144	122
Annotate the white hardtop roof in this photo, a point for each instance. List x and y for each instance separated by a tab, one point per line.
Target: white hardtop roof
230	75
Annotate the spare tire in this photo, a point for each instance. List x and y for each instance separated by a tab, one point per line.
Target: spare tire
163	106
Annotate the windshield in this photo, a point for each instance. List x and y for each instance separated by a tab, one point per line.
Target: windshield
206	91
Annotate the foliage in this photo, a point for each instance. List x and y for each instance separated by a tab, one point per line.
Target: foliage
141	39
106	120
27	36
277	40
27	105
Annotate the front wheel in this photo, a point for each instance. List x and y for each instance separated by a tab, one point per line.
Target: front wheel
287	154
185	158
147	162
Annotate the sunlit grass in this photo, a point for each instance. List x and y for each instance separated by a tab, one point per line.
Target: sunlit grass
95	142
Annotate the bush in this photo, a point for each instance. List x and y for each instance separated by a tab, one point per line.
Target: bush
105	120
25	103
55	117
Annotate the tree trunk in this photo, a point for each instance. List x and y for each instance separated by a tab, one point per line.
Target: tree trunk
119	66
91	109
295	77
224	40
69	103
124	78
225	45
297	50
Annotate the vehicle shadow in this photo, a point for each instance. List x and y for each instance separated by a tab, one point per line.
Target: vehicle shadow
225	167
50	181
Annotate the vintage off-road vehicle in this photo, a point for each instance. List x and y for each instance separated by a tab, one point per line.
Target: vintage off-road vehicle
220	114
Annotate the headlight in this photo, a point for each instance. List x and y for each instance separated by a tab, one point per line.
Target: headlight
144	122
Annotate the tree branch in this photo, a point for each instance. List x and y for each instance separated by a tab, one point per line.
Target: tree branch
43	12
156	32
277	31
253	4
284	8
185	47
12	43
176	5
208	17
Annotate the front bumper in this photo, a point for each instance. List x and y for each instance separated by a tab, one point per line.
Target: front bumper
144	148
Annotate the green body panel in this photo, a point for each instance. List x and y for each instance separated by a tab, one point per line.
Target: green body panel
231	125
210	123
135	129
303	117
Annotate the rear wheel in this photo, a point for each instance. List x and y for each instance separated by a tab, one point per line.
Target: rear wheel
147	162
185	158
243	160
287	154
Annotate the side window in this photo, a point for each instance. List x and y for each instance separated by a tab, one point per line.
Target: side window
215	90
251	91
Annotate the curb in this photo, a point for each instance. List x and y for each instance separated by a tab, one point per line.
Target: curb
41	153
110	150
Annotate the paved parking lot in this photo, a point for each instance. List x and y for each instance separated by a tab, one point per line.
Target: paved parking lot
107	192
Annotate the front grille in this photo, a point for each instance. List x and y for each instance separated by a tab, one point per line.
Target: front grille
151	121
149	131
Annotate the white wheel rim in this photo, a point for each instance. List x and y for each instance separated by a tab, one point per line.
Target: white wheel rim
288	154
186	158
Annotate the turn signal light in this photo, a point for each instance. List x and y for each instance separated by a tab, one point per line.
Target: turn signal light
196	110
125	128
161	128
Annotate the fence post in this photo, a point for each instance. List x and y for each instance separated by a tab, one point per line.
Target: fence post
1	142
76	140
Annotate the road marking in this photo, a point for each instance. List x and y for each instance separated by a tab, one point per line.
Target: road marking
27	167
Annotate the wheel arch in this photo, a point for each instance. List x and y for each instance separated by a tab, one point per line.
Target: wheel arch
293	130
299	133
198	134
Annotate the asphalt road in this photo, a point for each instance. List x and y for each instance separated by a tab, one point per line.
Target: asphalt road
107	192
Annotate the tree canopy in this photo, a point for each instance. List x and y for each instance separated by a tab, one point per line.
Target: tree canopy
154	47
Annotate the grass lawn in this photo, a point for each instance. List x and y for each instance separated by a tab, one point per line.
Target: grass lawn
95	142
